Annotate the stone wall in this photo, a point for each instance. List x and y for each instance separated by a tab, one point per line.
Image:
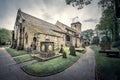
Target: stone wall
58	38
30	30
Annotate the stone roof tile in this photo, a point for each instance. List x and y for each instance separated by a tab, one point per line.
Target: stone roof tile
46	27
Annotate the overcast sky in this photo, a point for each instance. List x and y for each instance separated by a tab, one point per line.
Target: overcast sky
49	10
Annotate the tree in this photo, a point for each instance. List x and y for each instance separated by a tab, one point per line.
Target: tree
105	39
95	40
78	3
105	4
106	25
5	35
88	33
81	3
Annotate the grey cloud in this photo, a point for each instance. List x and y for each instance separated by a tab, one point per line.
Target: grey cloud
49	10
47	16
91	20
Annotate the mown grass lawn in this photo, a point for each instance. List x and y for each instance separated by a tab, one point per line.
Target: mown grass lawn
14	52
23	58
108	68
52	66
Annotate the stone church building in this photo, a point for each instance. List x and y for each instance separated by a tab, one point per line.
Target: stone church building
30	31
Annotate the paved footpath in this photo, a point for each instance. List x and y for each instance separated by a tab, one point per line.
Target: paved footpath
83	69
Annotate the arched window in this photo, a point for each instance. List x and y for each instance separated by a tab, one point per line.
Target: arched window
34	39
75	26
67	37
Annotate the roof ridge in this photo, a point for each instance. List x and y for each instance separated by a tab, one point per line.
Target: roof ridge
63	24
36	18
66	26
41	24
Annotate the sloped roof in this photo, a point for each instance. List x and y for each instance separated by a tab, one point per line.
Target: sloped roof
44	26
67	27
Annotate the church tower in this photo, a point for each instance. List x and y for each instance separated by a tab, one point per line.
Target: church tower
76	26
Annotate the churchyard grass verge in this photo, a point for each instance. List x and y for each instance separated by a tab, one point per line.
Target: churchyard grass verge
52	66
14	52
23	58
107	68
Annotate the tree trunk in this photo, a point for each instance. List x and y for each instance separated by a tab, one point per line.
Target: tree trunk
116	26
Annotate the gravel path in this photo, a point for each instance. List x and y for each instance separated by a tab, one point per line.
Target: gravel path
83	69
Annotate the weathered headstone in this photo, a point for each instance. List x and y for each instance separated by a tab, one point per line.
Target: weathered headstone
105	46
61	49
64	55
72	50
105	43
29	50
63	52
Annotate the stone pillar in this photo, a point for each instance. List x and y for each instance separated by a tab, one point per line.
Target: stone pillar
12	39
20	45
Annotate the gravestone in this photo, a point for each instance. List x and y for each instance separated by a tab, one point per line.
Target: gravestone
47	49
64	55
61	49
63	52
105	43
105	46
72	50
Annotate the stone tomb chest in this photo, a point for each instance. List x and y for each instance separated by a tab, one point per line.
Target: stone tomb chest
47	49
